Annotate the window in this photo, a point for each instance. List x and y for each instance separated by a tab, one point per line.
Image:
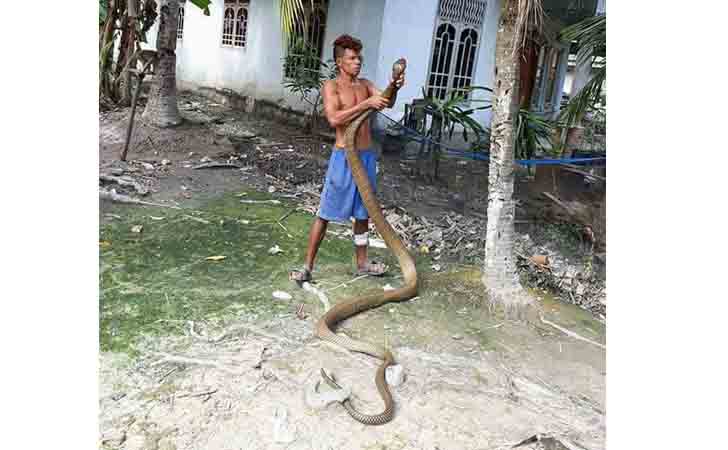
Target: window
181	20
316	28
455	47
235	23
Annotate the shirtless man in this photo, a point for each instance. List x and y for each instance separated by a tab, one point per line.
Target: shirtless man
344	98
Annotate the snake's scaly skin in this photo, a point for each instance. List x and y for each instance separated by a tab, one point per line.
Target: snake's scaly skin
353	306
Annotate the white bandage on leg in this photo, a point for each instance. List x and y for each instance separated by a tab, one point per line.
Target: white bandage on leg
361	240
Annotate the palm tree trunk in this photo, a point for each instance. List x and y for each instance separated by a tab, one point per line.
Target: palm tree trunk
129	47
499	270
161	109
106	49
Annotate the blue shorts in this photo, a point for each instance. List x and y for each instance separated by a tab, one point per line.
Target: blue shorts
340	199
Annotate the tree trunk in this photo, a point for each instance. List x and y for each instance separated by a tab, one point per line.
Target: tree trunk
161	109
499	270
129	47
529	65
107	43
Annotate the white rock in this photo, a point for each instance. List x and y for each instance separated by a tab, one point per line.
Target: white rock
165	162
282	432
280	295
395	375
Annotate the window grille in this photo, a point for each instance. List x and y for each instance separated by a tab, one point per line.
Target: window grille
181	20
235	23
455	47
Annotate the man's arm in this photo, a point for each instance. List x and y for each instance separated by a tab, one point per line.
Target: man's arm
374	91
332	106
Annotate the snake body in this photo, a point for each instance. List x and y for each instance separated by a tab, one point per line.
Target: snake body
355	305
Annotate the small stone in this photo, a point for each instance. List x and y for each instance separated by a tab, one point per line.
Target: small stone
275	250
271	189
281	428
280	295
457	337
137	229
395	375
165	162
148	166
205	159
113	438
135	442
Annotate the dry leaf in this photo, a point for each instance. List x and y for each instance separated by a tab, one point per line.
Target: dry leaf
104	244
215	258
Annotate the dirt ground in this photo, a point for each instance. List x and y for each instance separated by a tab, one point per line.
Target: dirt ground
208	354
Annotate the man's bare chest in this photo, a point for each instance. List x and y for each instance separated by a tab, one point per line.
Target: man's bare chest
351	96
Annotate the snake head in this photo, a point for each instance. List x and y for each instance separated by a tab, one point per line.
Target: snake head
398	68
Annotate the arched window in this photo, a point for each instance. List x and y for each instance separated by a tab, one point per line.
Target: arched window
457	28
235	23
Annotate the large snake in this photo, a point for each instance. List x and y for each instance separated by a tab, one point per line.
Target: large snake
353	306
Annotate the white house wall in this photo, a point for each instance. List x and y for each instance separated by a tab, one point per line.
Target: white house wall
389	29
361	19
254	69
407	31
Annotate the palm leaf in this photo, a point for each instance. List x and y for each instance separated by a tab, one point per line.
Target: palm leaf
204	5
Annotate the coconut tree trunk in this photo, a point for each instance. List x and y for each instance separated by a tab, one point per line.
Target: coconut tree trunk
161	109
106	49
499	270
129	47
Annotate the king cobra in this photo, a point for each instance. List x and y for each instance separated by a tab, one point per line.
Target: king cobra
353	306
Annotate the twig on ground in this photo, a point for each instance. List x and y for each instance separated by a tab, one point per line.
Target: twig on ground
571	333
167	358
198	394
169	372
285	216
347	282
275	202
217	165
197	219
121	198
141	190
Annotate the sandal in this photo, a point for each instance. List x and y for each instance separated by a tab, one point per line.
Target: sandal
373	268
300	275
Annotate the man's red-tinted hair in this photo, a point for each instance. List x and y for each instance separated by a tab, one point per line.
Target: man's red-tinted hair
345	41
